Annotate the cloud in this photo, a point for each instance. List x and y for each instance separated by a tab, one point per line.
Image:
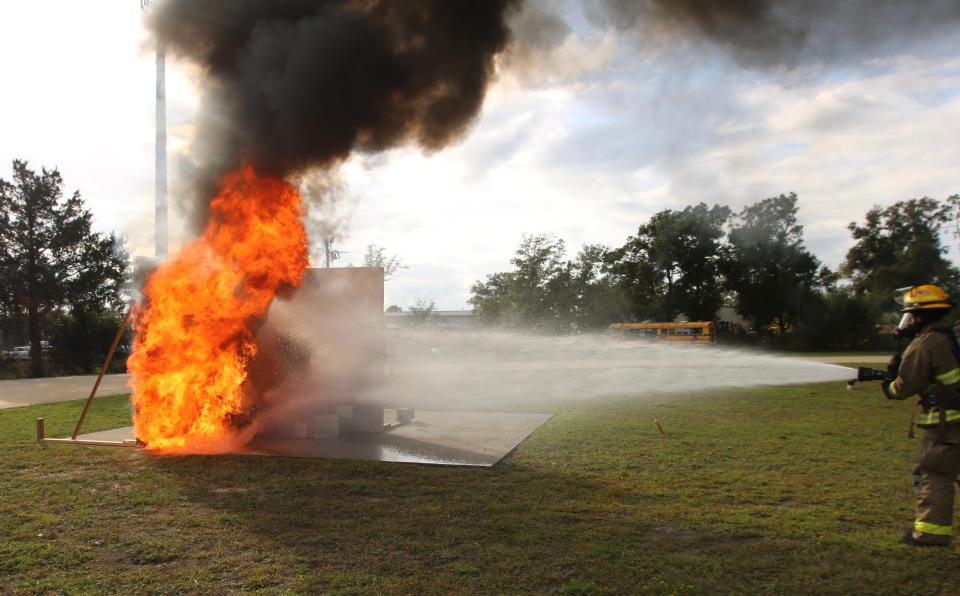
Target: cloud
591	158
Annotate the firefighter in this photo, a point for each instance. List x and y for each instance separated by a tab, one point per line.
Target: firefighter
931	368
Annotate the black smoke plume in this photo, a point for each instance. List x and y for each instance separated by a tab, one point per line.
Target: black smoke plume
295	84
787	33
764	34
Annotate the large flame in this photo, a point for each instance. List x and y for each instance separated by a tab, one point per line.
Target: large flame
193	339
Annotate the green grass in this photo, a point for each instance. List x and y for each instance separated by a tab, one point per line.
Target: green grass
770	490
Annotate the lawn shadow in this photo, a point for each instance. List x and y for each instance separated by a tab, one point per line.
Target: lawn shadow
522	525
334	517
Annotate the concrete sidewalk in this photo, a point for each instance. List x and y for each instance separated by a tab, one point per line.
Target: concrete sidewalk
26	392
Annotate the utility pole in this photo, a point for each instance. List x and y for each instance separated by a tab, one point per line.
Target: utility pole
160	147
330	254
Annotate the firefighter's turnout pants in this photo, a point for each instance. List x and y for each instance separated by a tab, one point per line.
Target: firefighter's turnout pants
938	460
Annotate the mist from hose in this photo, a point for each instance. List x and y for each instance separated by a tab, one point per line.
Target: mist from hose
505	371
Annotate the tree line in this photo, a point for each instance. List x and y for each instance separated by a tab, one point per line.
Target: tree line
60	282
693	261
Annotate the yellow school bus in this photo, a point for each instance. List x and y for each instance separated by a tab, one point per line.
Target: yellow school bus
693	331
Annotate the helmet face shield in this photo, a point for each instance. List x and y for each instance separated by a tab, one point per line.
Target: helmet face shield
899	295
907	321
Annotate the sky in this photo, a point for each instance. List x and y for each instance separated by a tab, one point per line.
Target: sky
585	138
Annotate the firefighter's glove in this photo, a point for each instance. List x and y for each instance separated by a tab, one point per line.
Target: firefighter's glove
893	367
885	387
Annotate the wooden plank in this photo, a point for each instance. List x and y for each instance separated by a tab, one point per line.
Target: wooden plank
92	442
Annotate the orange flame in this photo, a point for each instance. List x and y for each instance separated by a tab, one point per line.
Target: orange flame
193	338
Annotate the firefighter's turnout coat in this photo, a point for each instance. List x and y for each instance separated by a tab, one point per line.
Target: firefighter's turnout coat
931	368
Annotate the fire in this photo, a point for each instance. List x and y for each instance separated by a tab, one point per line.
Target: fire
194	337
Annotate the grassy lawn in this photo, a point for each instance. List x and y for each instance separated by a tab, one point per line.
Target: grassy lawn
768	490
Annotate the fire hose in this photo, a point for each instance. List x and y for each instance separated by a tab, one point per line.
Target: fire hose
872	374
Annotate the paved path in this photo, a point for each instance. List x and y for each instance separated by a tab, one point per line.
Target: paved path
25	392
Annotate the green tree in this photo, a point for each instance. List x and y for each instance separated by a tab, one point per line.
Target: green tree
836	320
953	211
597	300
546	291
538	261
376	256
422	311
897	246
80	340
50	259
767	266
671	265
527	296
490	298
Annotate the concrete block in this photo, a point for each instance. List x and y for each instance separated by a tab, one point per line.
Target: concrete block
300	429
325	426
367	419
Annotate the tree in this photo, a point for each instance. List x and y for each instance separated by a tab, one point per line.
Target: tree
422	311
597	300
533	290
953	211
767	265
546	291
900	246
376	256
835	320
530	295
671	265
50	259
489	298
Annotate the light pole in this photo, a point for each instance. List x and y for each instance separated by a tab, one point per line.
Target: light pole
160	146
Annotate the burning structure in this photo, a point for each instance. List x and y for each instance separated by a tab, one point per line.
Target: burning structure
314	376
292	86
289	86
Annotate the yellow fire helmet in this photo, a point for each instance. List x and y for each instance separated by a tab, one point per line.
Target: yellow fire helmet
924	297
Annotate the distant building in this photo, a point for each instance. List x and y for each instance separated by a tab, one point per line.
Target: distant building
451	319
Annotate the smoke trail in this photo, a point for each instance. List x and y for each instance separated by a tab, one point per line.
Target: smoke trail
295	84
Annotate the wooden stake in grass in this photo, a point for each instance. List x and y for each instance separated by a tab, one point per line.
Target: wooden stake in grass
660	427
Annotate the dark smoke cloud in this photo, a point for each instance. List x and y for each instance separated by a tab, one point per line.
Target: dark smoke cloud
295	84
537	30
785	33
